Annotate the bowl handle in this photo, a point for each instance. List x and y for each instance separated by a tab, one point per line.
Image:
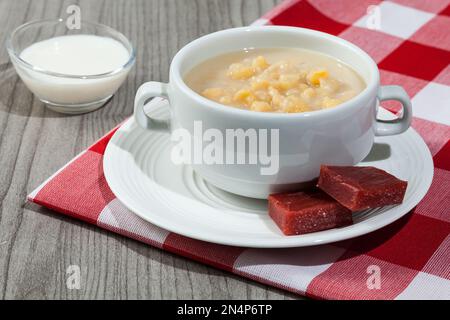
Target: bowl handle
401	124
145	92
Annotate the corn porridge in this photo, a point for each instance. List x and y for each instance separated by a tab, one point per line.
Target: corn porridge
275	80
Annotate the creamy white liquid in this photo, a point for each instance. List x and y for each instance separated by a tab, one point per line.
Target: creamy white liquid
214	73
75	55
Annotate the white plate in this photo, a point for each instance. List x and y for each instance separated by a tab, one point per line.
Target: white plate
140	173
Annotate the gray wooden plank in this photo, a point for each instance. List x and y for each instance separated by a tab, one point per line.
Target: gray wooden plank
37	245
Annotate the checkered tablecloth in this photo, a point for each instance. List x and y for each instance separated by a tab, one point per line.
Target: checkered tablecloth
410	41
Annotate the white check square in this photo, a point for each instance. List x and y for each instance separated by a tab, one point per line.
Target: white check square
394	19
433	103
426	287
292	268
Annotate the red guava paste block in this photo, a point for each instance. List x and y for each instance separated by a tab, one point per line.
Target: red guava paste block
307	211
360	188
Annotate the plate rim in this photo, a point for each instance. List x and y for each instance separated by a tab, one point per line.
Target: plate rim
339	234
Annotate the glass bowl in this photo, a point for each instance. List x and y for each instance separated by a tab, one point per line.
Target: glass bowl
65	93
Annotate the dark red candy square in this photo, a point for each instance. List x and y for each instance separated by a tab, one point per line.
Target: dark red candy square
307	211
360	188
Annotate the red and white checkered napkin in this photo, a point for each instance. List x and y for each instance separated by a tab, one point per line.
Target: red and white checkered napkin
412	49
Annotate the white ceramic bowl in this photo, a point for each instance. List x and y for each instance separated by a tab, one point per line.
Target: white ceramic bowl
340	136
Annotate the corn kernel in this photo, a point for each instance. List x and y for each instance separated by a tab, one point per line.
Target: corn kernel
294	104
329	85
277	100
242	94
328	102
315	76
260	84
249	100
260	63
225	100
274	75
240	72
308	93
262	95
261	106
286	82
273	91
293	92
213	93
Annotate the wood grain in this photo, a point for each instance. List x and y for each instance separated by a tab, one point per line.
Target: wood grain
37	245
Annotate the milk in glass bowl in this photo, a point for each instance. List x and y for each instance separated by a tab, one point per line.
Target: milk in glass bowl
71	70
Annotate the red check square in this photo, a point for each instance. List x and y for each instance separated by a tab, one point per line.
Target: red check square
444	76
303	14
416	60
216	255
442	158
436	203
412	86
446	11
361	273
435	33
91	194
439	263
100	145
409	242
377	44
434	134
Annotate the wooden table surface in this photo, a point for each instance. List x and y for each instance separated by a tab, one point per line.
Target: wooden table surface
37	245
